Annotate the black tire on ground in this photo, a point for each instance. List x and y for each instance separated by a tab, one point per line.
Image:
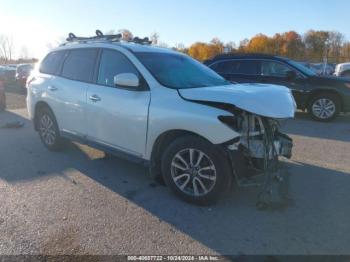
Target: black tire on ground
47	126
218	159
329	98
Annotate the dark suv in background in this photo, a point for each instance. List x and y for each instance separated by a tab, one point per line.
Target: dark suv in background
323	97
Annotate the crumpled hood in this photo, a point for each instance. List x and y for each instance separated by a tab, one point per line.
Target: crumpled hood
261	99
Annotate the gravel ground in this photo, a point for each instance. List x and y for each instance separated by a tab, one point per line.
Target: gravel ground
15	100
77	202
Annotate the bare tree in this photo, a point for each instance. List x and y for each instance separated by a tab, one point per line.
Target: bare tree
230	47
336	42
154	38
6	47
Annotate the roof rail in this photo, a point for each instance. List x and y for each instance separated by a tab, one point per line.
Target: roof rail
108	38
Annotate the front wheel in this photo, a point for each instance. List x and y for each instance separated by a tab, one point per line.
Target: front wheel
324	107
196	170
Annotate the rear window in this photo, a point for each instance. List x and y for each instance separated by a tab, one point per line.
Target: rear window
52	62
243	67
79	65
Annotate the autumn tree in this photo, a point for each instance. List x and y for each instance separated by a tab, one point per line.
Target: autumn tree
316	44
335	44
203	51
291	45
260	44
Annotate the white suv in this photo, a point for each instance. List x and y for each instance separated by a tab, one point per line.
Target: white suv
158	107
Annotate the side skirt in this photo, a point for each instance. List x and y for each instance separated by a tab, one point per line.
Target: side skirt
111	150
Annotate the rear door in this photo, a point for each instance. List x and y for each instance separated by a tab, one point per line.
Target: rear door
68	90
238	71
117	116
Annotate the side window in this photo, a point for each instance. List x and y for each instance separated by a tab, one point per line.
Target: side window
271	68
113	63
243	67
79	65
52	62
247	67
225	67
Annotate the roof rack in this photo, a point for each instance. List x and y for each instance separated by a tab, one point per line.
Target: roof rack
101	37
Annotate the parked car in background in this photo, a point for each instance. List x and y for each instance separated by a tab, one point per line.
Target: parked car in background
158	107
8	73
324	97
342	70
11	65
22	73
323	69
320	68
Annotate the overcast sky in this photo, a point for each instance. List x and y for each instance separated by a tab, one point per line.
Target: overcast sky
36	23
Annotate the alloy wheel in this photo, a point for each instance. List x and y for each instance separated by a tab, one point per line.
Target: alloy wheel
47	130
193	172
323	108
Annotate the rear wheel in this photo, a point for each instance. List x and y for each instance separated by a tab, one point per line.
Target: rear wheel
324	107
196	170
48	130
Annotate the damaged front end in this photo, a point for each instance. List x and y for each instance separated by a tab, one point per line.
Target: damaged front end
257	150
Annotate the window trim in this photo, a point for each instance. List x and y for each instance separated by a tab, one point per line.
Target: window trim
143	83
68	51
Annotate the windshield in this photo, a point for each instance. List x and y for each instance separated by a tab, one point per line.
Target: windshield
179	71
302	68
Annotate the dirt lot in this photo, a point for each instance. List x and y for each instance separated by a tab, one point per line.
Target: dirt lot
76	202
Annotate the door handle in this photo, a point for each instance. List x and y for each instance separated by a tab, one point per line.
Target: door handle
95	98
52	88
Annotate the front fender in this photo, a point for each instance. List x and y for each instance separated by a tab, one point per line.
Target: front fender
187	116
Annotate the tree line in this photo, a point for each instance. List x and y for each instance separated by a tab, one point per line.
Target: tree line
313	46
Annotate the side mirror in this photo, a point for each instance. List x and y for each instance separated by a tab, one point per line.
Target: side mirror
127	80
290	75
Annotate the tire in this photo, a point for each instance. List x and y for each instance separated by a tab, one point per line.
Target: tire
213	170
48	130
324	107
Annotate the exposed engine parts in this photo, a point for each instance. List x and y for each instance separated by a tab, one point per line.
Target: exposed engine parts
255	155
